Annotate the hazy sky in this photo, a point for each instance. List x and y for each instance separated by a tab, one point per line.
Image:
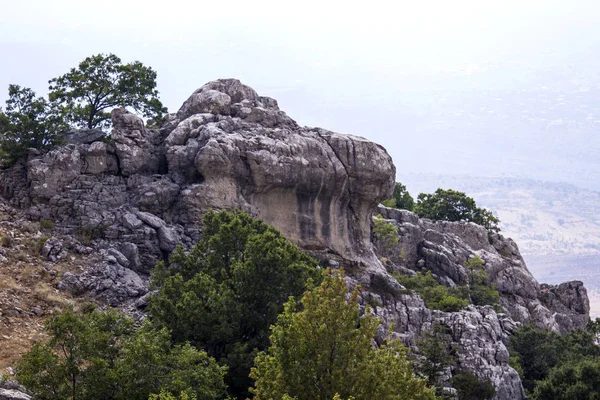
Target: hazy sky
476	87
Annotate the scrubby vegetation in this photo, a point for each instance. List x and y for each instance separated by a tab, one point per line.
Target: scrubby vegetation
401	199
435	295
385	233
439	297
552	366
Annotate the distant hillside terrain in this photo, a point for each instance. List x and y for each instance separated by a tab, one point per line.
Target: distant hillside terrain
556	225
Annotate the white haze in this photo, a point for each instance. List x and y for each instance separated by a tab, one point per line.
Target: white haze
459	87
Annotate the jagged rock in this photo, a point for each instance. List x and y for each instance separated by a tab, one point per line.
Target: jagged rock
167	239
119	257
8	394
53	250
131	221
151	220
84	136
109	282
130	250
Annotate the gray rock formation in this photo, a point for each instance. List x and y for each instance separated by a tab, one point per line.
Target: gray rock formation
144	192
8	394
481	333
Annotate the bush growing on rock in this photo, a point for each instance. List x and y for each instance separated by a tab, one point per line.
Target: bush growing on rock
451	205
224	294
324	351
480	291
469	387
435	296
385	233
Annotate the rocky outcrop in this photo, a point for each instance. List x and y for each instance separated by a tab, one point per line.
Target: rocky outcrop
138	195
226	147
8	394
480	333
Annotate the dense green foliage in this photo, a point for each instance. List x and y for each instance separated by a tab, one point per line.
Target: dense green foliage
435	296
385	234
554	366
451	205
224	294
27	121
100	83
469	387
99	355
401	199
325	350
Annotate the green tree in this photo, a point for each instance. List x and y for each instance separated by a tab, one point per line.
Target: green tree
536	351
451	205
469	387
571	381
99	355
27	122
538	354
225	293
100	83
325	351
401	199
435	353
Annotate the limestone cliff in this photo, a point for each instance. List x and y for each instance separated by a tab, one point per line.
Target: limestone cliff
145	190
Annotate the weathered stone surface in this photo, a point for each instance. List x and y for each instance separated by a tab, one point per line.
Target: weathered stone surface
84	136
108	281
9	394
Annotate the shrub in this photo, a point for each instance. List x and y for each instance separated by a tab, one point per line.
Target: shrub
28	121
435	296
469	387
47	224
385	233
480	291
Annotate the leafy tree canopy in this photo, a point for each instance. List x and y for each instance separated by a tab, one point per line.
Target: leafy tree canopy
86	94
100	356
224	294
545	358
401	199
324	351
451	205
28	121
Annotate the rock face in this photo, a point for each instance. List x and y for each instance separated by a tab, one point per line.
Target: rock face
481	333
139	195
226	147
